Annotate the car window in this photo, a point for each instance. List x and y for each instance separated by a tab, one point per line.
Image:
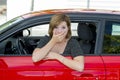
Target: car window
41	30
84	32
111	44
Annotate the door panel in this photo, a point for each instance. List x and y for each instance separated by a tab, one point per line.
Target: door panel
22	68
94	69
112	64
3	66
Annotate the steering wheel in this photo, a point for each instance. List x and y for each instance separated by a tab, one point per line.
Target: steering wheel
21	46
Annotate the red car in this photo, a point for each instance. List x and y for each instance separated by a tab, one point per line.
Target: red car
98	32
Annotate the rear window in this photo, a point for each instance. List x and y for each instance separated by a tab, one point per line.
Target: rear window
111	43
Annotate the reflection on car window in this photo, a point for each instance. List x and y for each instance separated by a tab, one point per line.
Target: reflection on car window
11	22
112	38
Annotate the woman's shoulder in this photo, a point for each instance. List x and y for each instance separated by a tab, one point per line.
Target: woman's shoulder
73	41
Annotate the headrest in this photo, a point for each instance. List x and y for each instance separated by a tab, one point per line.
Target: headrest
84	32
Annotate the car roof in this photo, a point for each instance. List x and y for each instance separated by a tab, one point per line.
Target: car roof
54	11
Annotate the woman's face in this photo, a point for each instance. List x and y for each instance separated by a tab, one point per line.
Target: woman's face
61	28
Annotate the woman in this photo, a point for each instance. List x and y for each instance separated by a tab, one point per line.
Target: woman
59	43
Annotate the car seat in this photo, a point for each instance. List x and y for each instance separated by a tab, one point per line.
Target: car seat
92	26
85	37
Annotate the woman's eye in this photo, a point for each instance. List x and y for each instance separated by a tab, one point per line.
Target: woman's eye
63	27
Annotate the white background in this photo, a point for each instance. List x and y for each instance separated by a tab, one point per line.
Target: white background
18	7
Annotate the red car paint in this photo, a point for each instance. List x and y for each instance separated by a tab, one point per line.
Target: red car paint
23	68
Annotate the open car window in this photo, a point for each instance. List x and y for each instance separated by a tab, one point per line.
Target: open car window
24	42
84	32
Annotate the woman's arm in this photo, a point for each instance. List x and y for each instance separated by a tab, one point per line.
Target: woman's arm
77	63
40	53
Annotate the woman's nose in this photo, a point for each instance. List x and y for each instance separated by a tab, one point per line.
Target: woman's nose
59	30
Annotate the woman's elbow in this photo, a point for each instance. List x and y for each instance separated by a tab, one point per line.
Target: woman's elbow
80	68
35	56
34	59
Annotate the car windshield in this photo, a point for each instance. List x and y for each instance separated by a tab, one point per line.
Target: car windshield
9	23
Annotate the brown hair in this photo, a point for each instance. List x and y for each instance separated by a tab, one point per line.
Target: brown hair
56	20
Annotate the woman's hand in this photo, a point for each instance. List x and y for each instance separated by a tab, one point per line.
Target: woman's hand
58	37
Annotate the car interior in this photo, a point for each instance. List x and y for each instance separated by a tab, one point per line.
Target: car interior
87	36
19	44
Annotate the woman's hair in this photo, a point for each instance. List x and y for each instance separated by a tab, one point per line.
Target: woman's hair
56	20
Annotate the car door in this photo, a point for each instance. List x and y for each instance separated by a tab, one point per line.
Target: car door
111	49
21	67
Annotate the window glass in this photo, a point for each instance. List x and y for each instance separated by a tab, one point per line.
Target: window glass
112	38
5	26
116	29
